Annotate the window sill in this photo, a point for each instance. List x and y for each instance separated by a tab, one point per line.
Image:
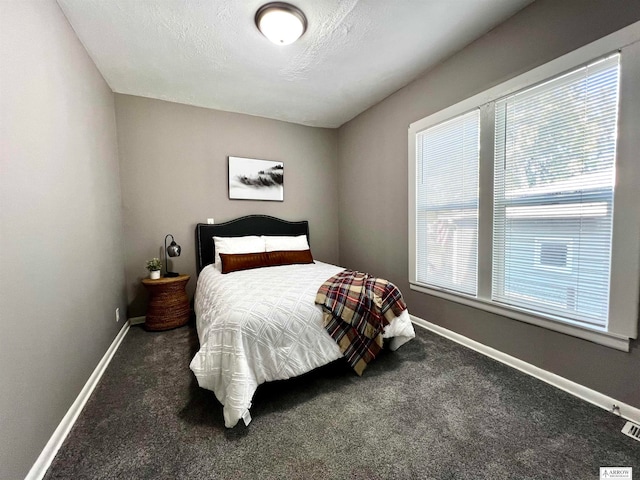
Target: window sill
593	335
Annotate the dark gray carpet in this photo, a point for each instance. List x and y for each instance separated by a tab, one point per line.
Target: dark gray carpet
431	410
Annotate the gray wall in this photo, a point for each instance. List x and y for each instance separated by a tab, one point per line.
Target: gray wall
373	172
60	226
173	162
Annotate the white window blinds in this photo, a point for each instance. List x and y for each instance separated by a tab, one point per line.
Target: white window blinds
447	204
553	194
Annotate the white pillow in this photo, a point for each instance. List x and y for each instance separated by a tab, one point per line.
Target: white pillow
248	244
276	244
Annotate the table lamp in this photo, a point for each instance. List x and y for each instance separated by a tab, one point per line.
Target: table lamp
173	250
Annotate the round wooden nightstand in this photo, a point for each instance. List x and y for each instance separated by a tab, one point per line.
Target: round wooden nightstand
168	303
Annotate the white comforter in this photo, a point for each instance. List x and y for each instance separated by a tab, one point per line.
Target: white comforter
263	324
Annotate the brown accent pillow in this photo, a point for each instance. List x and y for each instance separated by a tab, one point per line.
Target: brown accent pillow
289	257
232	262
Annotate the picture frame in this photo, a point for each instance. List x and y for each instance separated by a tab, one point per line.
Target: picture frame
255	179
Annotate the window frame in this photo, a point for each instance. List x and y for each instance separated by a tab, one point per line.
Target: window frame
625	259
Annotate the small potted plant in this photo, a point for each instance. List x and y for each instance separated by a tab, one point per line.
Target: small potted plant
154	266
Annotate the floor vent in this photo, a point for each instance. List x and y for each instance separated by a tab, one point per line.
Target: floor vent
632	430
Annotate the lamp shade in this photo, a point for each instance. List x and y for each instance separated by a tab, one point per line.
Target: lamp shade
280	22
173	250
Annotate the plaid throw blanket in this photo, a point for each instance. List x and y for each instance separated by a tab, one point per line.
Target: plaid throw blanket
356	308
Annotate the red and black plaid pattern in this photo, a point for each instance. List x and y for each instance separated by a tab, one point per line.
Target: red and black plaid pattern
357	307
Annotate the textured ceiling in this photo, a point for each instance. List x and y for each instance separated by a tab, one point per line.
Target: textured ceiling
210	54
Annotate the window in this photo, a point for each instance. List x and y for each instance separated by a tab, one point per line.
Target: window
555	254
554	176
522	197
447	200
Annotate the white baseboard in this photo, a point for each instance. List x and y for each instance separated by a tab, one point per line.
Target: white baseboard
585	393
136	320
40	467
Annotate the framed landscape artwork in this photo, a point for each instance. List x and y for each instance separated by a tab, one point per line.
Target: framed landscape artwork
253	179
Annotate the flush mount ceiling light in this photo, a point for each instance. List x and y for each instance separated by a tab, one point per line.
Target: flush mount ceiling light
280	22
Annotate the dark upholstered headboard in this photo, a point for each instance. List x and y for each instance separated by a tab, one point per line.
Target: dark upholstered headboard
249	225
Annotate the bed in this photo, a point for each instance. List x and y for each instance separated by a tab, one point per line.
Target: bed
262	324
